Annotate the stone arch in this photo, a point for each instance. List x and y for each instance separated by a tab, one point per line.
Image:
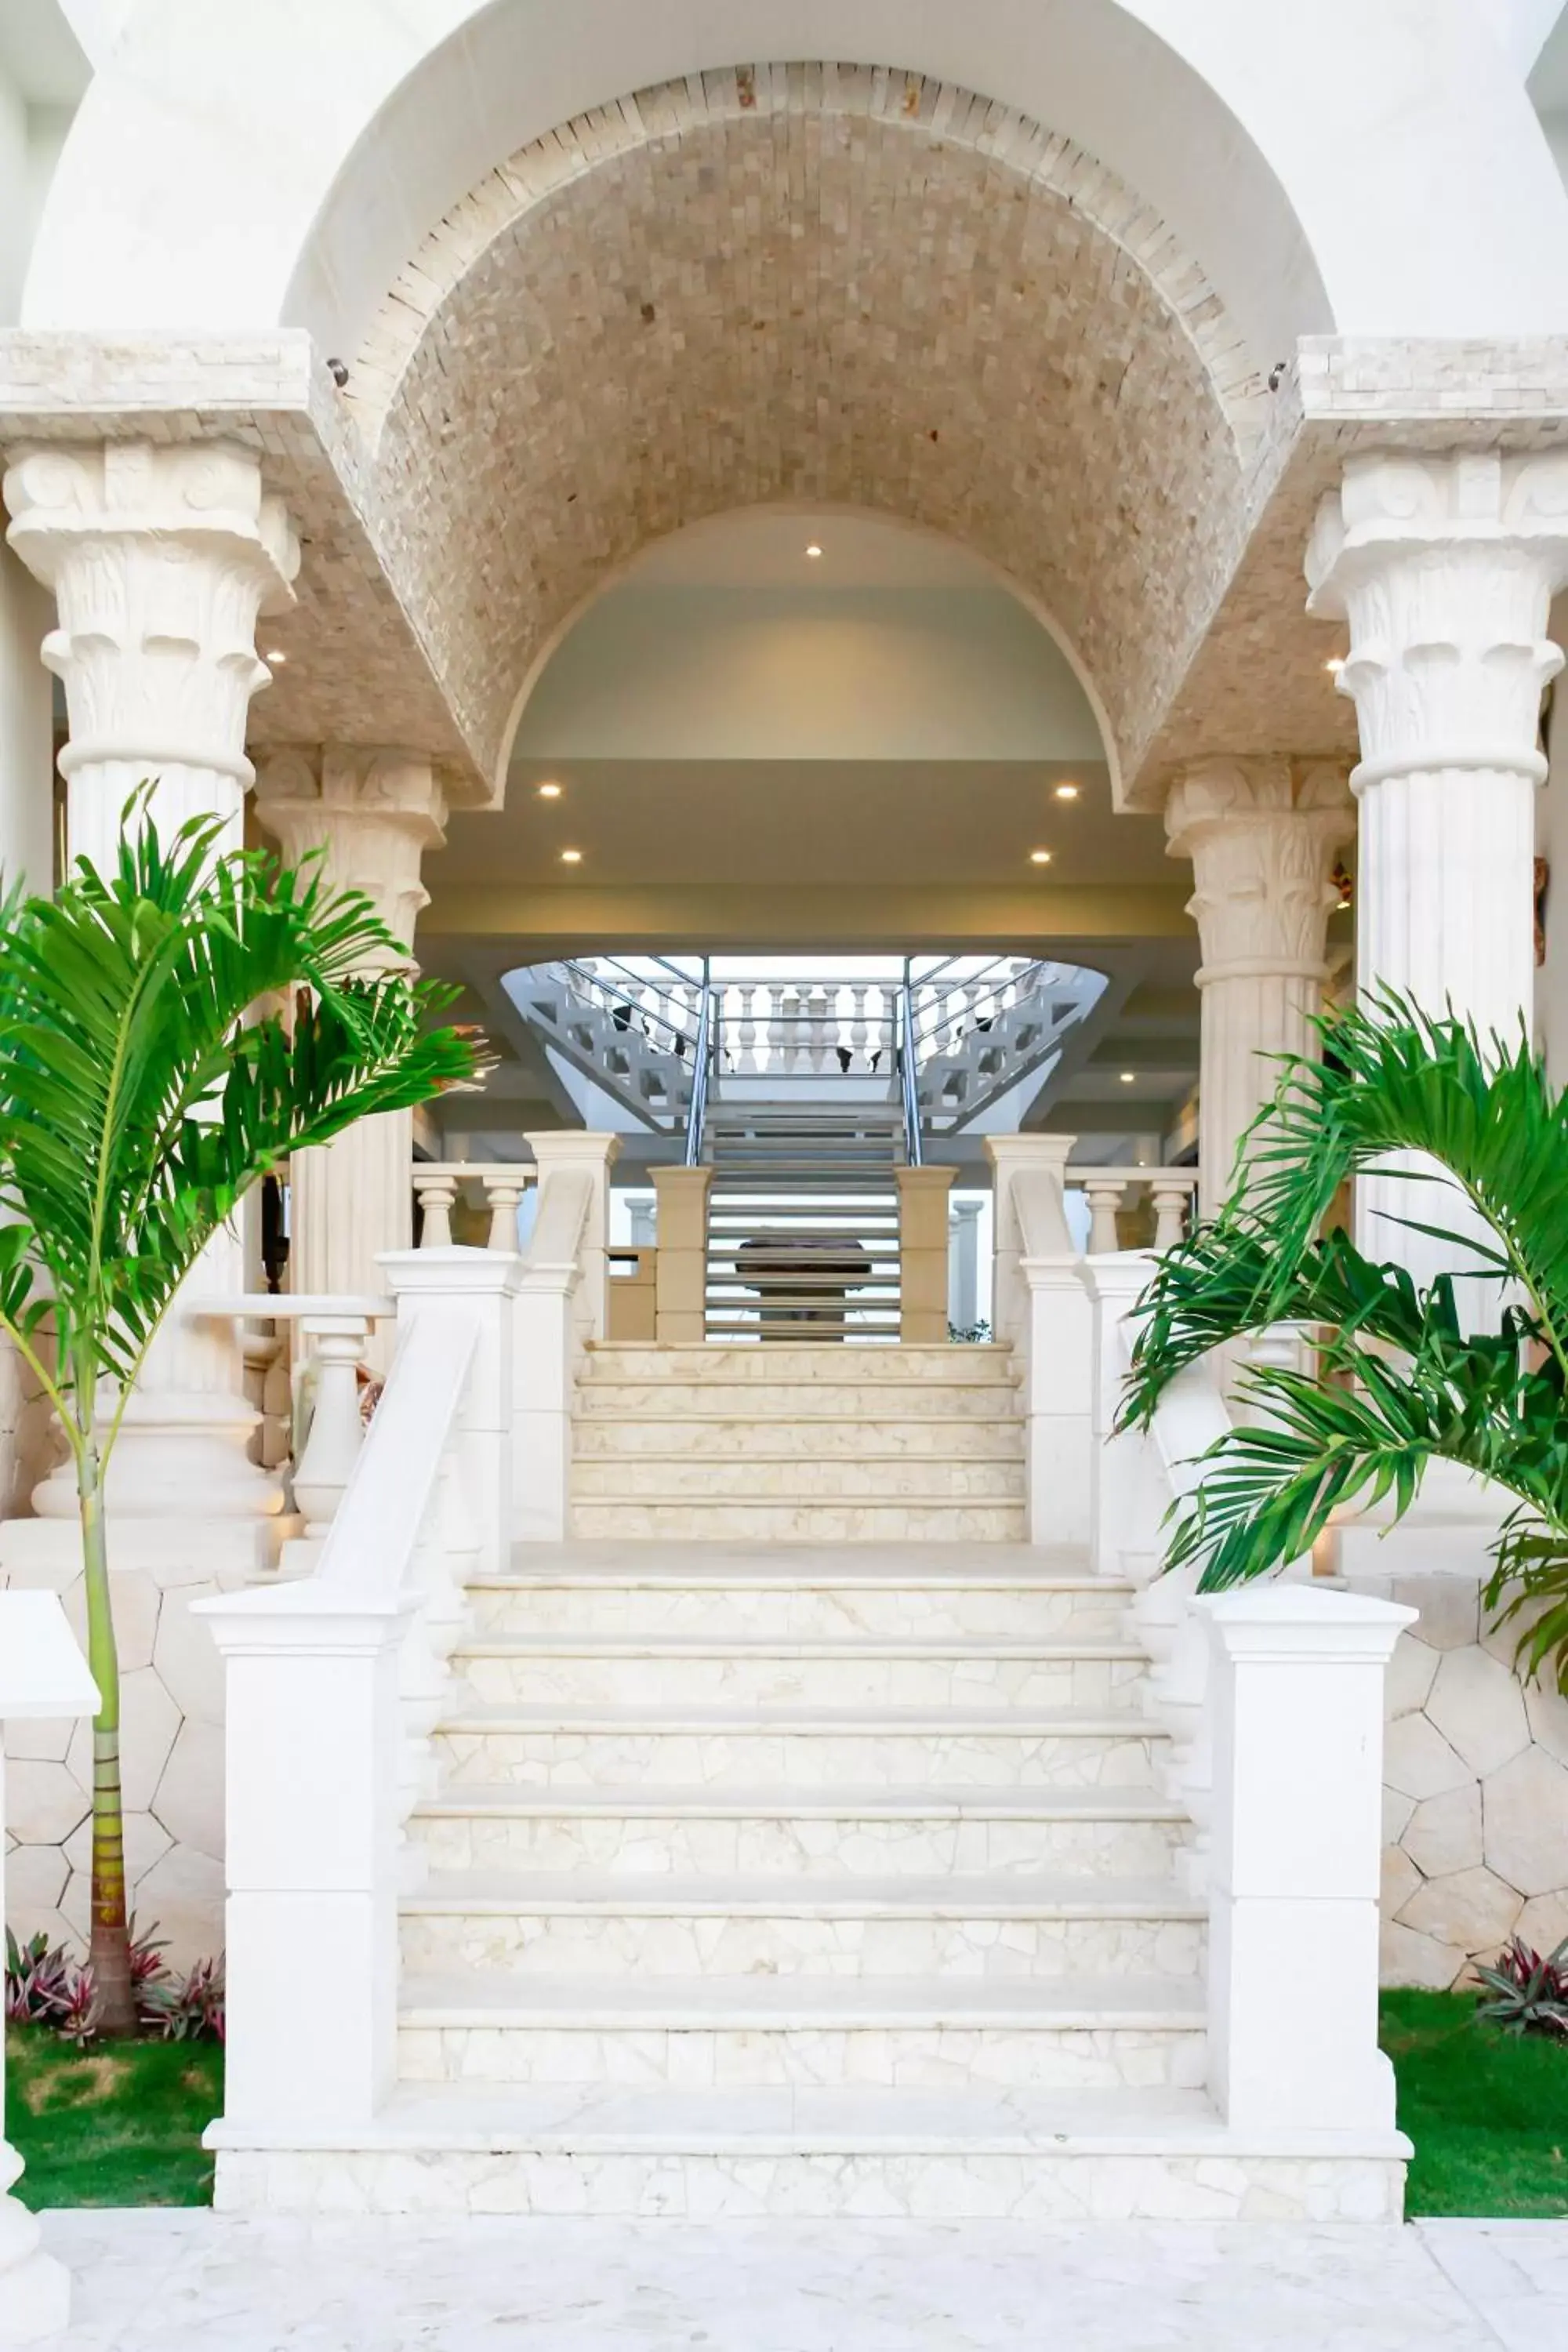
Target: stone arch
842	285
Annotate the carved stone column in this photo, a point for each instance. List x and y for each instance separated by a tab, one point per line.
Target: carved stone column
161	559
374	813
1262	834
1445	568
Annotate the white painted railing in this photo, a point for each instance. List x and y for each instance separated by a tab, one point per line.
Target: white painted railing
438	1184
1273	1695
334	1685
1172	1192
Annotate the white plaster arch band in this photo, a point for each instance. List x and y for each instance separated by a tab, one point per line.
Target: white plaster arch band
842	286
1374	170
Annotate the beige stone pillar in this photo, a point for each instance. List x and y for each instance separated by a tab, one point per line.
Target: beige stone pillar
681	1268
1262	835
162	557
922	1255
373	812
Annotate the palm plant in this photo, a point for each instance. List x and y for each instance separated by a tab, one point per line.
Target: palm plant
1401	1380
142	1092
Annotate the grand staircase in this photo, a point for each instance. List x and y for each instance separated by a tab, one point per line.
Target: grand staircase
802	1221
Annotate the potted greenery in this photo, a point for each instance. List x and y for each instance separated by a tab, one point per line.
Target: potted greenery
143	1089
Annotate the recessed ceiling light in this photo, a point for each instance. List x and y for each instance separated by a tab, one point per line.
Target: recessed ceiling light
814	550
1039	856
1067	792
571	858
276	658
1334	666
550	791
1127	1078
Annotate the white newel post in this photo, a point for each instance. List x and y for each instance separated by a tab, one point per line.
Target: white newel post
579	1151
313	1734
488	1284
1297	1702
1126	1506
1445	568
1261	834
161	559
1042	1307
374	812
43	1674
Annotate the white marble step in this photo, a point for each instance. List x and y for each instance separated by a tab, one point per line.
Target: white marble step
930	1475
823	1599
793	1361
682	1670
1069	2033
597	1924
723	1833
788	1437
806	1404
798	1747
709	1519
938	2155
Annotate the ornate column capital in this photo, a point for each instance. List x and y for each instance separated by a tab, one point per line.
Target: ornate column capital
1444	567
373	809
1262	834
161	559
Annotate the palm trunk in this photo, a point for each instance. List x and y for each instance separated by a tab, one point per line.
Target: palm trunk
109	1948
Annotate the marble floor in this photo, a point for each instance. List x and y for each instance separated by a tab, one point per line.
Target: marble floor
198	2282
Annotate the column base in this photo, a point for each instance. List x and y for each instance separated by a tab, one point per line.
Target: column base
189	1549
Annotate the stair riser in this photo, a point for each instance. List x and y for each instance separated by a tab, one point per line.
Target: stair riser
839	1759
907	2055
938	2185
644	1847
799	1522
790	1946
776	1403
825	1683
823	1438
744	1477
904	1612
803	1364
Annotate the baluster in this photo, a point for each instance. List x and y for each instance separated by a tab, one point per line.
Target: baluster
859	1028
1170	1213
745	1030
818	1031
502	1193
791	1019
435	1190
1103	1195
778	1030
337	1427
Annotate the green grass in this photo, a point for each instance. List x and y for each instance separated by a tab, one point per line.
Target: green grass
122	2126
1488	2110
118	2125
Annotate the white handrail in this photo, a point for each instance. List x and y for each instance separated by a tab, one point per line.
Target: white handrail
370	1547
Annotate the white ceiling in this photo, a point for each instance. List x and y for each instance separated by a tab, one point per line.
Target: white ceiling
41	54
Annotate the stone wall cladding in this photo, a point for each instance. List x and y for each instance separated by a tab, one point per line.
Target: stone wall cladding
840	285
1475	1790
171	1763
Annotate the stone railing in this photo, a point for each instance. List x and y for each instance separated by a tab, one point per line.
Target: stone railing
335	1683
439	1184
1170	1192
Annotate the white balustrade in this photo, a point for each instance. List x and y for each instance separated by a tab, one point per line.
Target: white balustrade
1172	1193
437	1184
43	1676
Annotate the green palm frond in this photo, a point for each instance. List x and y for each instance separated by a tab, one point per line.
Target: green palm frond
142	1092
1400	1380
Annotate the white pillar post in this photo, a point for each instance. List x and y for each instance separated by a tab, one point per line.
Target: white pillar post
43	1674
1297	1698
486	1285
1443	567
964	1264
372	813
578	1150
313	1733
1126	1507
1262	834
161	559
1043	1307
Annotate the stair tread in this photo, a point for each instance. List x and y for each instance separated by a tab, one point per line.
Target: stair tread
958	1896
766	2120
744	1646
1070	1723
1086	2003
507	1799
940	1567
